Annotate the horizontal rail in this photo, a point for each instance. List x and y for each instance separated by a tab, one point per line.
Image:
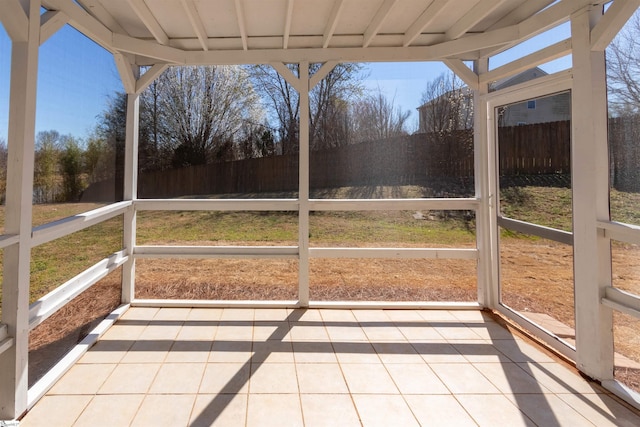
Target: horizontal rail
619	231
176	303
251	252
622	301
45	383
536	230
63	227
393	204
8	240
401	253
6	342
216	204
40	310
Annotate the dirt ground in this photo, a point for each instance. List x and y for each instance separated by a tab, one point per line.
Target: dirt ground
536	278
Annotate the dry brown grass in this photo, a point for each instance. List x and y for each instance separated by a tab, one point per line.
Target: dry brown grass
536	275
58	334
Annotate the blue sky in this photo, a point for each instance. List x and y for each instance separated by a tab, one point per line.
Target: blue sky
76	77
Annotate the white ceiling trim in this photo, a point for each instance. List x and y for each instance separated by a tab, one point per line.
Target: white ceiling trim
460	48
287	24
377	21
521	13
84	22
430	15
196	23
149	49
539	23
471	18
146	16
611	23
95	8
557	50
241	24
332	23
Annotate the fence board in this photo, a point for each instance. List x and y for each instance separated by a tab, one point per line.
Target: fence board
537	149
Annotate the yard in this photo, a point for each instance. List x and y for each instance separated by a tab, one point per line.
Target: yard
536	274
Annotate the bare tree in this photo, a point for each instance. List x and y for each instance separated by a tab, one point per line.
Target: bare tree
328	123
375	117
447	105
329	101
204	109
623	69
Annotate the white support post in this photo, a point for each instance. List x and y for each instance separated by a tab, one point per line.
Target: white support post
15	294
484	177
303	190
590	181
130	193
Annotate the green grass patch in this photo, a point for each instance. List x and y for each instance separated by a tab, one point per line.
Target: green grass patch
548	206
212	228
393	228
58	261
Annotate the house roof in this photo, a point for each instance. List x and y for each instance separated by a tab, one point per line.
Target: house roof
262	31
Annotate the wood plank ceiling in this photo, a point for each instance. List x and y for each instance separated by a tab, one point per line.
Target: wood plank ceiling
258	31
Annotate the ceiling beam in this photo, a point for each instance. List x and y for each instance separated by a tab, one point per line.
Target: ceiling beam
541	22
611	23
430	14
557	50
477	13
287	24
196	23
241	24
467	75
453	49
377	21
332	23
50	22
520	13
14	19
149	49
97	10
82	21
146	16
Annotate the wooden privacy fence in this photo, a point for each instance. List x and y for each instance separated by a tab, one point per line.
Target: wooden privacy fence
624	153
417	159
543	148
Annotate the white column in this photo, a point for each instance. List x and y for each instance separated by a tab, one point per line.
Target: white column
130	193
15	294
303	190
592	252
484	179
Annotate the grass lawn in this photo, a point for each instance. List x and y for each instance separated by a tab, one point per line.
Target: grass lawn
537	274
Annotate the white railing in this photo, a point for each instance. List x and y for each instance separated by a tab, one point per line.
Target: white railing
6	342
43	308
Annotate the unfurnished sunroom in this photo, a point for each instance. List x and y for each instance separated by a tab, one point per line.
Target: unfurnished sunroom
246	165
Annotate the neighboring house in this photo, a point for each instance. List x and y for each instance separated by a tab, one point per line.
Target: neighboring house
541	110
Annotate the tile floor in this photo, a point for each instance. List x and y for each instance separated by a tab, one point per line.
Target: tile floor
263	367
